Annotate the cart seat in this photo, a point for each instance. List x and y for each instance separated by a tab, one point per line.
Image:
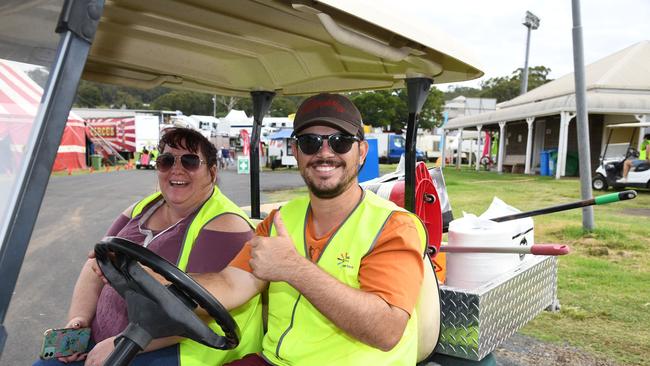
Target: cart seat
642	167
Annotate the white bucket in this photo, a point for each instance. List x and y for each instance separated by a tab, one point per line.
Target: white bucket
524	234
471	270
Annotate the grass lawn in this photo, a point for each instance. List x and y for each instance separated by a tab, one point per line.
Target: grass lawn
604	284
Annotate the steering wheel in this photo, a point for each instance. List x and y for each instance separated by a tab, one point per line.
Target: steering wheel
631	153
158	310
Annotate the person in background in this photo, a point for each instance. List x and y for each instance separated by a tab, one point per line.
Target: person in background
644	156
220	158
342	266
190	223
226	156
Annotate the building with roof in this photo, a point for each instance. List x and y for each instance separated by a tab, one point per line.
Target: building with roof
618	91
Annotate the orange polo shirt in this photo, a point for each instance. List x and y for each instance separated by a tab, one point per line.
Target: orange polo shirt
393	270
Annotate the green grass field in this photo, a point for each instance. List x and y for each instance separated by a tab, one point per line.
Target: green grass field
604	284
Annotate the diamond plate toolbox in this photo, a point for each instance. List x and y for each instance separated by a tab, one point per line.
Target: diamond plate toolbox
474	322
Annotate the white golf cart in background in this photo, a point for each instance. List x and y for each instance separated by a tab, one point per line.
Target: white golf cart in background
610	171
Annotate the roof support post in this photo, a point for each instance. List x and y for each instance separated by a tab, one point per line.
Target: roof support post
565	119
418	90
478	148
529	144
502	146
261	104
459	148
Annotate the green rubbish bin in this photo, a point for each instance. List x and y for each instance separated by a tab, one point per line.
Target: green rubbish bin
572	164
96	161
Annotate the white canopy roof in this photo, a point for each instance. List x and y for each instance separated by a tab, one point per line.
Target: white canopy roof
616	84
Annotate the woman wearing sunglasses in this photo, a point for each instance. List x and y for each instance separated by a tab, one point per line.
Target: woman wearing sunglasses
189	223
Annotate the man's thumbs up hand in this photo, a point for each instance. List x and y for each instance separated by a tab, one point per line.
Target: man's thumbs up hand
275	258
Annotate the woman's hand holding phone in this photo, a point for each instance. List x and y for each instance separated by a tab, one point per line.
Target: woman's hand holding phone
75	323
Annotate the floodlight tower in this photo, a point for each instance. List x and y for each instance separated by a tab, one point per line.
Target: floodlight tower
531	21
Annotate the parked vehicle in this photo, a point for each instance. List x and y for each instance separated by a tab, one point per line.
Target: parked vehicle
391	146
124	132
610	171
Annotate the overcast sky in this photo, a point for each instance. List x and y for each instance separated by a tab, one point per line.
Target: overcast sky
493	30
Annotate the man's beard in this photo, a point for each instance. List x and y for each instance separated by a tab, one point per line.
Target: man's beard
330	192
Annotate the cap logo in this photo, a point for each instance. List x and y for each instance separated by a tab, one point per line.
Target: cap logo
315	104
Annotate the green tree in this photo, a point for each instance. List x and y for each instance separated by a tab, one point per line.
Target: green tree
508	87
89	95
283	106
388	108
187	102
455	91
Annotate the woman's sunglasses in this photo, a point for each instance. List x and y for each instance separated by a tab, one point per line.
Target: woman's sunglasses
310	143
190	162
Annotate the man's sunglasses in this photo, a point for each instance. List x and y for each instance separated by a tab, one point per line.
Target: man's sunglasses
310	143
190	162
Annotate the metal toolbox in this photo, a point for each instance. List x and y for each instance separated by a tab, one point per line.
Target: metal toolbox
474	322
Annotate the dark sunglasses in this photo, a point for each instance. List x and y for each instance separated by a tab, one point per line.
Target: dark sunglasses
190	162
310	143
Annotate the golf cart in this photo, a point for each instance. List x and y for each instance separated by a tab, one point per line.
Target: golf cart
245	48
610	171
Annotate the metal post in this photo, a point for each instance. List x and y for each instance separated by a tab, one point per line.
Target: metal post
582	124
214	106
531	22
261	104
418	90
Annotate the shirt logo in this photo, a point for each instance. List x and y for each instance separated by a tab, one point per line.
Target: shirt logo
343	260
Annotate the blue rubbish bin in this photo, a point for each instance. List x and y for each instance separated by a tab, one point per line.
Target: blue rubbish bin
543	163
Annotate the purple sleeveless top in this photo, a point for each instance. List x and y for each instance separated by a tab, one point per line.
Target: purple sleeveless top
212	252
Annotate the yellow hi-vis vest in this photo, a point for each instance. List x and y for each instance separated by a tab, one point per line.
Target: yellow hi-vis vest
247	316
298	334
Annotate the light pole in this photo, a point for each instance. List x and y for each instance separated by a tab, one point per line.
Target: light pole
531	21
214	106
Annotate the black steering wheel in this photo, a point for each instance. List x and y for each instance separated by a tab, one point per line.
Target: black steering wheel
159	311
631	153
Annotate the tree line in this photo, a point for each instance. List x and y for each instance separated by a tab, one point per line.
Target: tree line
382	108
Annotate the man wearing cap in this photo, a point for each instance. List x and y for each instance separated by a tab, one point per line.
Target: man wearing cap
342	267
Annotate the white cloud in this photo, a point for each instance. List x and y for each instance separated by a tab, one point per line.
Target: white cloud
493	30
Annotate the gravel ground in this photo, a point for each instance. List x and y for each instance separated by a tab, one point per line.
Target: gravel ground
520	350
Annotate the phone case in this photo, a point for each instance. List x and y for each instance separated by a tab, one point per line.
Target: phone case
64	342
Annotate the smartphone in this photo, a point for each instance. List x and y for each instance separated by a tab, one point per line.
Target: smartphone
64	342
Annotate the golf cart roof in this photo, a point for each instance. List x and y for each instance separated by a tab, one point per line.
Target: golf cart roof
289	47
629	125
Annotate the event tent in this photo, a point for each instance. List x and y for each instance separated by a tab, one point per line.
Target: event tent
19	100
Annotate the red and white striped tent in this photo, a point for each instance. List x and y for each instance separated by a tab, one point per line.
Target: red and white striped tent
20	97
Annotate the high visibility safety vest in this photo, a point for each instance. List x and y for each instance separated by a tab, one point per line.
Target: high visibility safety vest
247	316
298	334
644	149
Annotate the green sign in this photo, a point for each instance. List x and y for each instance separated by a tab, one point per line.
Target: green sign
243	165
